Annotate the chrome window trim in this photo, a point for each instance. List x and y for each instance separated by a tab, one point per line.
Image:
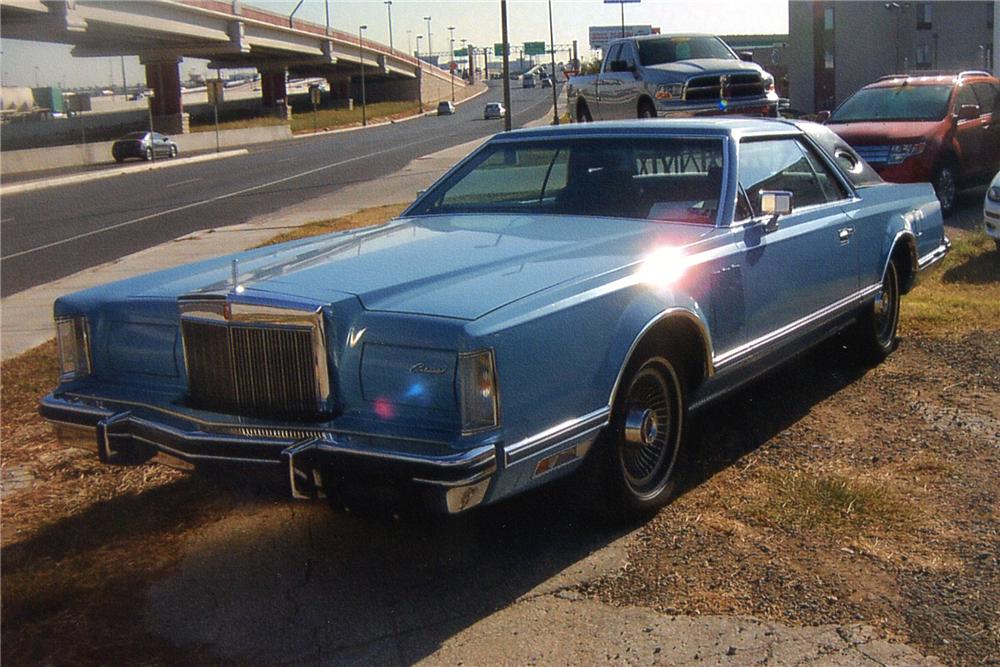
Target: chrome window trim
218	310
556	435
730	356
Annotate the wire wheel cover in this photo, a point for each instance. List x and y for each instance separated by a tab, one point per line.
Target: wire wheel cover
649	442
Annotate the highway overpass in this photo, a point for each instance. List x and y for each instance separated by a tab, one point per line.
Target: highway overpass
230	34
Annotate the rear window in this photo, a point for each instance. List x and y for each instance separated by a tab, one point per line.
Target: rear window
678	180
896	103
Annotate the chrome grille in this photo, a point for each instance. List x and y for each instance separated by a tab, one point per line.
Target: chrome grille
873	154
728	86
272	367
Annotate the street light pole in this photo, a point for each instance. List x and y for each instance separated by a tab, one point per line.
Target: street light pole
420	77
430	47
451	61
361	58
552	51
388	6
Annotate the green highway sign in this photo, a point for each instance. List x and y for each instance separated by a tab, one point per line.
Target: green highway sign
461	53
498	50
534	48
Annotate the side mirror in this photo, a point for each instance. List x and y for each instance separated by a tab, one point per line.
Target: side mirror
775	203
968	112
620	66
746	56
822	116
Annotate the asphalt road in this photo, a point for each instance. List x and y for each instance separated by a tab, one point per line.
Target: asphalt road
51	233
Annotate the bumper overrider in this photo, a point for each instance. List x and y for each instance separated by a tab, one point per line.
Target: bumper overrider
315	462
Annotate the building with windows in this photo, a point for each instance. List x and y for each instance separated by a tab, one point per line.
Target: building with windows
835	48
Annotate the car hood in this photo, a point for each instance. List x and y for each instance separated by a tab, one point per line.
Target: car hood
869	134
703	66
450	266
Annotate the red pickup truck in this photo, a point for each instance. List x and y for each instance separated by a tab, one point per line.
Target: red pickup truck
944	129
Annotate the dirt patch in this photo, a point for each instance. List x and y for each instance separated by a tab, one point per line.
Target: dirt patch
834	493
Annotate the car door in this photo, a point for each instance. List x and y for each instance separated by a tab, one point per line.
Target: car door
970	134
801	270
988	95
612	85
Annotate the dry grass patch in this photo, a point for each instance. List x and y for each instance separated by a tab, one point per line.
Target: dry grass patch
364	218
245	124
962	295
331	118
835	503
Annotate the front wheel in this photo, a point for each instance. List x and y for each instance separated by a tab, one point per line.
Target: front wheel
173	150
876	329
646	110
637	457
583	114
149	154
946	188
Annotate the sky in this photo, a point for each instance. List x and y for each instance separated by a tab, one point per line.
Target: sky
478	21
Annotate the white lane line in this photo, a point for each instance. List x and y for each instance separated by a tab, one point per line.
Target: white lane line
287	159
212	200
174	185
5	220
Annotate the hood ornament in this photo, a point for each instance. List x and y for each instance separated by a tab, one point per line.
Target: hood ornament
236	277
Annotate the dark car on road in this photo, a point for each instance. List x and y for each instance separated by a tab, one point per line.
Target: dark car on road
937	129
143	145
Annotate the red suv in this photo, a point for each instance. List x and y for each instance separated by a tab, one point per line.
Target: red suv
941	129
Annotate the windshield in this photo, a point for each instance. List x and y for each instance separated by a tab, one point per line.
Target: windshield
678	180
672	49
905	102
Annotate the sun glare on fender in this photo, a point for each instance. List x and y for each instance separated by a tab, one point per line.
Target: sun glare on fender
663	267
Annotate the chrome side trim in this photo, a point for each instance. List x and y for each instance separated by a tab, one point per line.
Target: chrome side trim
748	348
934	256
669	312
569	429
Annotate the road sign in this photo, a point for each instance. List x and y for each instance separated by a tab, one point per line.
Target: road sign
600	35
315	94
498	49
214	89
461	53
534	48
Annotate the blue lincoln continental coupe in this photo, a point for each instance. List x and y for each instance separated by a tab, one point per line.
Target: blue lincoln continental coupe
563	296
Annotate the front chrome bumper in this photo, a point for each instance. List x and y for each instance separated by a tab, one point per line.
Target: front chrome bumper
759	106
448	480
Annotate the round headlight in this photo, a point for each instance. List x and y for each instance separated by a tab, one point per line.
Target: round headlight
993	194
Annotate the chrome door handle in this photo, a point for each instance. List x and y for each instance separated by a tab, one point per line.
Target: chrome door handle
845	234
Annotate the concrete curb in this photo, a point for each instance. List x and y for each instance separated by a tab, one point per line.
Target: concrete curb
355	128
41	184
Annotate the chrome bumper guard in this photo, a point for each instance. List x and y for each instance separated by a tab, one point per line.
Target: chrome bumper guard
456	481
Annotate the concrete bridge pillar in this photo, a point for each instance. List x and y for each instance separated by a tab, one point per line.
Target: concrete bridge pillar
340	92
274	91
163	76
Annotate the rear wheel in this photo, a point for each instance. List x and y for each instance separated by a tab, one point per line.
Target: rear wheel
876	329
149	154
583	114
946	187
173	150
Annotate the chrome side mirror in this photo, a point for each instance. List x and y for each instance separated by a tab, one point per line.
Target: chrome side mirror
774	204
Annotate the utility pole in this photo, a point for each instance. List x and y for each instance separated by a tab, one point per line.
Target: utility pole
388	6
506	66
361	58
552	52
451	61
